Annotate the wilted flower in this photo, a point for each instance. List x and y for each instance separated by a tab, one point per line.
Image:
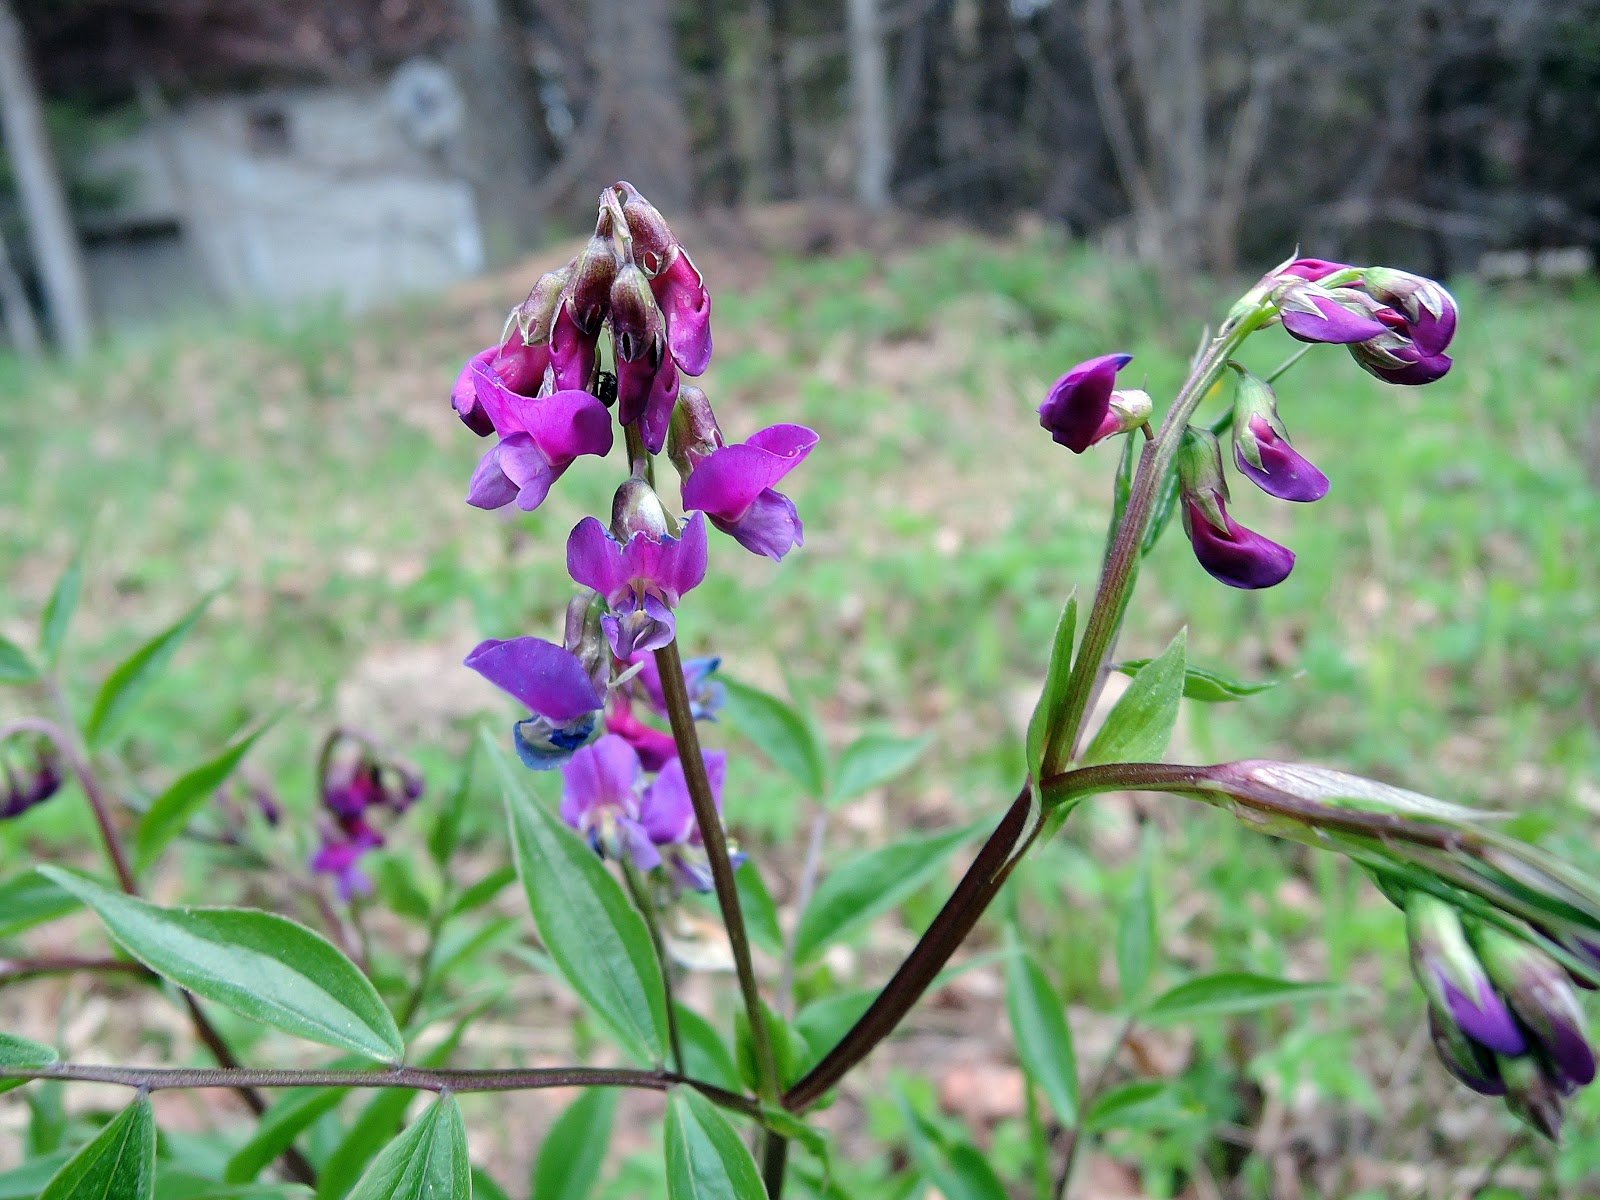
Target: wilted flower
677	284
1078	411
735	486
641	579
1236	556
554	684
1261	446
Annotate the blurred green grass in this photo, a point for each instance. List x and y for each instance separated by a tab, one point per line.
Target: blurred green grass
1442	625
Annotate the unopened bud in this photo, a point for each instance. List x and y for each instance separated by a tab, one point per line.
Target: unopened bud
654	246
1464	1058
637	509
1454	980
31	782
536	314
1200	476
1130	408
1536	987
694	432
636	320
1261	446
1533	1096
588	291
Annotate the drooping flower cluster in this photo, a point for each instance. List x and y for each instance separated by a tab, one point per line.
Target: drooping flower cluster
29	779
1396	325
356	784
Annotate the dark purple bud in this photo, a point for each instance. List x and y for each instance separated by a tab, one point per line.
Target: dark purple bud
654	246
1395	358
1429	310
1230	553
33	782
681	292
694	433
572	352
1075	410
1464	1058
636	324
1536	987
587	297
1261	446
1313	314
1533	1096
1453	978
536	314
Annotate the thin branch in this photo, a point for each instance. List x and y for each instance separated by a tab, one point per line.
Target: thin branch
13	969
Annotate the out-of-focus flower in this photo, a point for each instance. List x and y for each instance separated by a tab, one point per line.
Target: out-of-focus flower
736	487
1078	410
1231	553
641	579
669	819
655	747
707	694
555	686
345	842
30	783
1261	446
1536	988
1312	269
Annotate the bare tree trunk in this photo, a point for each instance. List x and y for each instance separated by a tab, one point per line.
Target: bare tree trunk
869	79
21	328
725	184
501	135
783	173
44	199
646	138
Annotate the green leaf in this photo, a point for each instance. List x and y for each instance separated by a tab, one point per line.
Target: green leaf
138	671
1141	724
869	885
958	1169
1231	992
427	1162
172	810
1206	686
1047	713
59	608
28	1180
120	1164
15	665
574	1151
485	1188
20	1052
446	832
873	759
760	910
1161	512
1043	1038
485	890
1141	1102
705	1055
29	899
278	1127
780	732
596	937
706	1159
259	964
1136	927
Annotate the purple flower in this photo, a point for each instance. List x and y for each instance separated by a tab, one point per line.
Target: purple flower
641	580
707	695
1312	269
1313	314
1395	358
1232	554
512	368
539	439
1453	978
655	747
37	782
734	486
670	821
553	684
681	292
1277	467
345	842
1075	411
1537	990
1428	310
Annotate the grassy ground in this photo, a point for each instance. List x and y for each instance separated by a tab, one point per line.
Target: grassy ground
1442	626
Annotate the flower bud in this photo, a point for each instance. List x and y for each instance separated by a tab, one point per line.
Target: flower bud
1464	1058
1453	979
1533	1096
654	246
1078	407
586	639
639	333
536	314
1536	987
694	433
1312	313
32	783
1395	358
1430	311
588	290
1230	553
1312	269
1261	446
637	509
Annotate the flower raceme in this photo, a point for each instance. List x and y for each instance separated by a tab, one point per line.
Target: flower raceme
356	784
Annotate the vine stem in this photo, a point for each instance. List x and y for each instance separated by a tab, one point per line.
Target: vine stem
680	714
296	1165
155	1079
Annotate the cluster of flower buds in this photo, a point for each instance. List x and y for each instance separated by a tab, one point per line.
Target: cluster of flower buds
1499	931
1397	325
30	777
356	784
607	797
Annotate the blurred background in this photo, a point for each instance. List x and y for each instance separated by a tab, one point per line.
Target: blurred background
247	244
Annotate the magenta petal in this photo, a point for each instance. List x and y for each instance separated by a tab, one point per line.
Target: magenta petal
1313	269
635	380
1240	557
655	747
595	559
1284	472
726	483
572	352
684	300
525	465
520	366
1332	322
603	774
663	398
464	397
770	526
569	423
490	488
1076	407
546	678
680	562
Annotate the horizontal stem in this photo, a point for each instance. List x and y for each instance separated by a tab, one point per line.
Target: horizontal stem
155	1079
12	969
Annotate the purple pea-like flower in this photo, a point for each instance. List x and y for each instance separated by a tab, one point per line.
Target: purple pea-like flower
1076	409
1233	554
345	842
512	368
707	694
539	439
641	580
1395	358
1339	317
1428	310
1454	980
1278	468
681	292
554	685
1537	991
735	487
669	819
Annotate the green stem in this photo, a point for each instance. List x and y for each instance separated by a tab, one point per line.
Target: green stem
419	990
1076	1136
639	890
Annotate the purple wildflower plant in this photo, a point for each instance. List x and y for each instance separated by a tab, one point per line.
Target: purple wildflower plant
1261	448
1230	553
355	785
